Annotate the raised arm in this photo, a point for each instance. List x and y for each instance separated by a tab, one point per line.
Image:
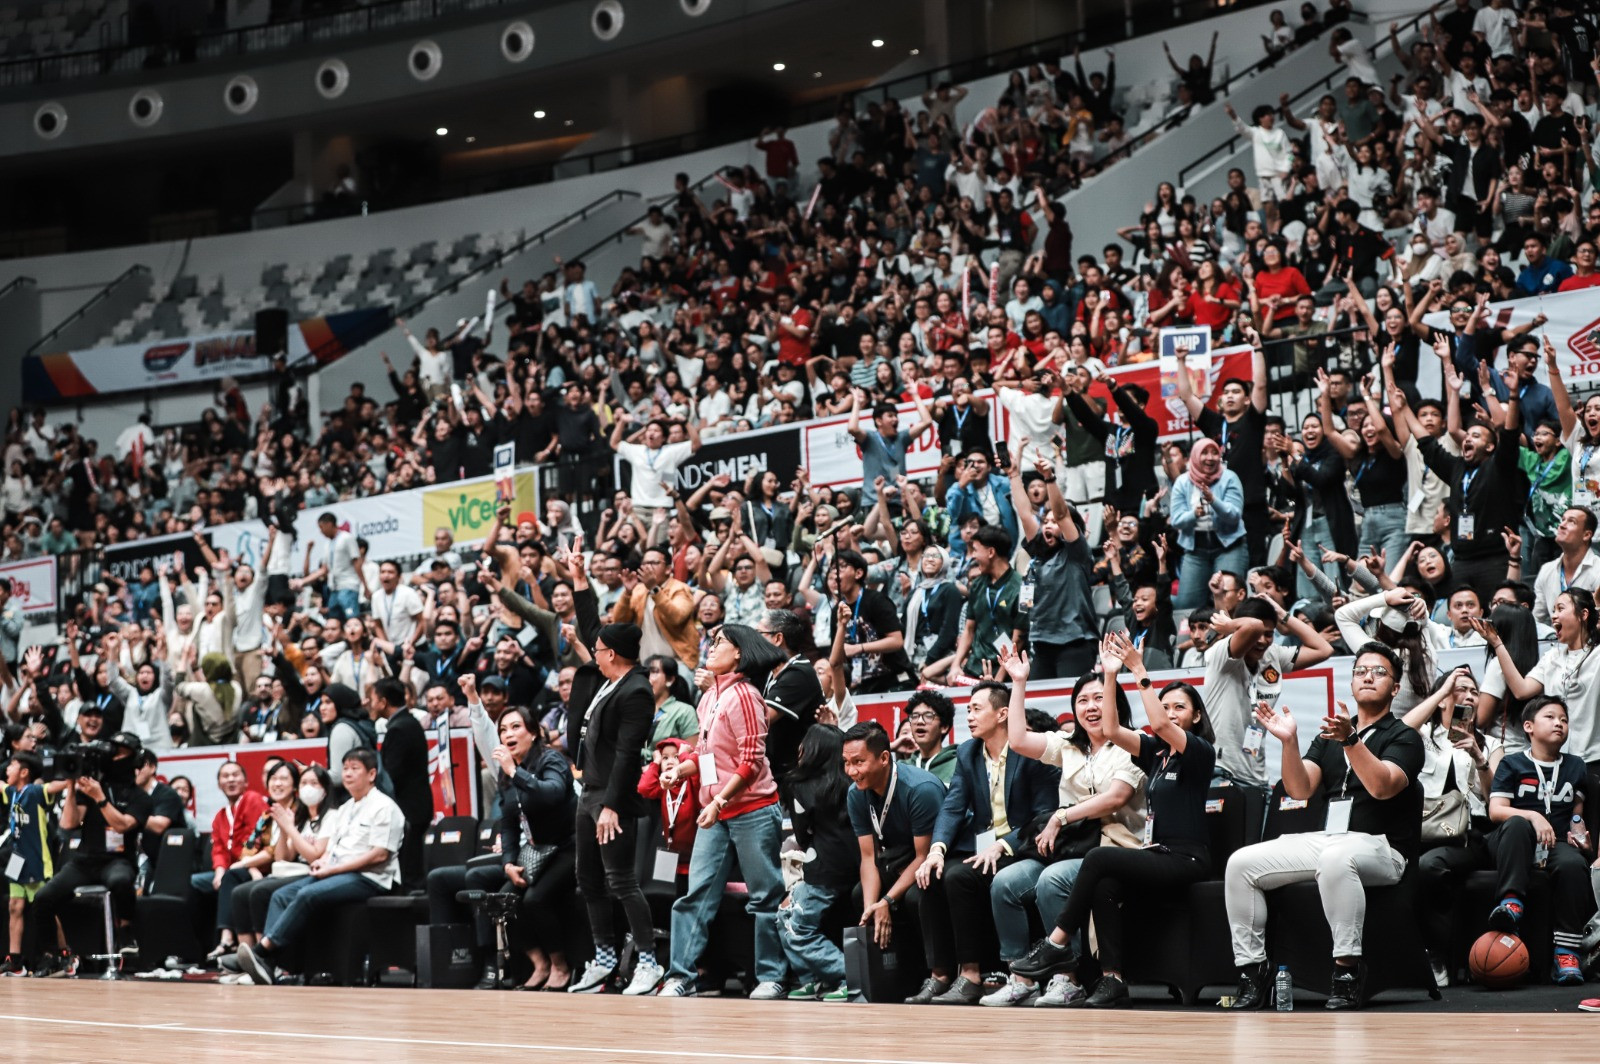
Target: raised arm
1116	651
1024	741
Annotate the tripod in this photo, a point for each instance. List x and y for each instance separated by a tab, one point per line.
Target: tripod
499	908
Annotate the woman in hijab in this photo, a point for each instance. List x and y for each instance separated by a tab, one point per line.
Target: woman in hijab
214	698
346	724
739	814
1208	516
933	611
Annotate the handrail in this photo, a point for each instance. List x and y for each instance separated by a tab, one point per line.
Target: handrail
1229	146
15	282
104	293
352	20
311	358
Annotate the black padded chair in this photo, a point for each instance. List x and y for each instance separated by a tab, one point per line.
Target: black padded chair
166	915
394	918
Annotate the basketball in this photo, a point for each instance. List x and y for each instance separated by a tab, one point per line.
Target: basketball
1498	961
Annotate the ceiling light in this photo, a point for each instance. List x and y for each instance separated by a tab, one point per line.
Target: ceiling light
816	73
538	114
916	51
877	42
472	140
441	131
568	122
777	66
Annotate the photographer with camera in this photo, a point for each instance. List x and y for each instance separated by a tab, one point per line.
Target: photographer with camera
109	809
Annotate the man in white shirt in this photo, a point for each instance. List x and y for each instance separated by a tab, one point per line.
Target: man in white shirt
354	855
341	567
1493	25
443	550
1575	567
579	298
1462	607
715	408
1433	221
654	463
397	606
434	367
656	232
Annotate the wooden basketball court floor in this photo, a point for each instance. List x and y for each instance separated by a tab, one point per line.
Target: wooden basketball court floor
56	1020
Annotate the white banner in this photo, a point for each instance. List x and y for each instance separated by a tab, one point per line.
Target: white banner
33	584
833	458
1573	328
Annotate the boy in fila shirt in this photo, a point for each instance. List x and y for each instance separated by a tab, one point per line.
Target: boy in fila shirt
28	864
1536	801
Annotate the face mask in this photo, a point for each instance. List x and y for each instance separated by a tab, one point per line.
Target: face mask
311	794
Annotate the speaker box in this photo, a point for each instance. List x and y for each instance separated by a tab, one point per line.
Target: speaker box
272	331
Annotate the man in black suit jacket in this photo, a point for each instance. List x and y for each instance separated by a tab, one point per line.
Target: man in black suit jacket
958	918
405	759
604	739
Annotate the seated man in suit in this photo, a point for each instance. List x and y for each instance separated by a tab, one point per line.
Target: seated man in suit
606	727
995	795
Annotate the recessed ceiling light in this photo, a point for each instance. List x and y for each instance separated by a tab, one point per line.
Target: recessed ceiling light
538	114
568	122
472	140
877	42
816	73
916	51
777	66
441	131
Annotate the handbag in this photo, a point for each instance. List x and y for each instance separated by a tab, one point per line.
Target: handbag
1073	841
531	856
1445	819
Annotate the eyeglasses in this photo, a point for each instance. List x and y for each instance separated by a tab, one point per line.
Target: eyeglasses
1375	671
1460	310
923	717
765	631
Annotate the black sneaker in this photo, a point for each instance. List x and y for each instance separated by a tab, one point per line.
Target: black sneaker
1255	987
490	979
66	966
1109	993
13	967
1347	983
1044	960
46	965
257	964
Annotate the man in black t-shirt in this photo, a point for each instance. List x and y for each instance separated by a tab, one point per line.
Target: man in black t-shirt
166	806
792	694
875	639
1239	424
111	813
1366	767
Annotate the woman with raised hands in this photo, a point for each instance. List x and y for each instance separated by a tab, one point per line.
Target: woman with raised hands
1178	760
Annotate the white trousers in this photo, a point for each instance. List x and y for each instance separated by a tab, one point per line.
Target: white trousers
1343	866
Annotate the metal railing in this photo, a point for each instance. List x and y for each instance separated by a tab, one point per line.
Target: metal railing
187	49
1232	144
98	297
15	283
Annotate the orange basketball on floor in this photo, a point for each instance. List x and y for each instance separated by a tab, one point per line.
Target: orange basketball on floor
1498	960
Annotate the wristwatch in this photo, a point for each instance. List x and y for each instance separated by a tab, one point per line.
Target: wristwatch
102	803
1352	739
1061	816
1144	683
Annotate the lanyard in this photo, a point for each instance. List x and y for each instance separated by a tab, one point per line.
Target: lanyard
1368	464
993	595
1546	786
1538	477
1561	573
773	677
1466	481
1344	785
1583	459
651	457
1224	435
878	818
961	417
443	664
673	804
388	620
855	613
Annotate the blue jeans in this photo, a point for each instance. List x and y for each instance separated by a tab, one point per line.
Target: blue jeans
1194	575
754	836
292	906
342	605
1384	526
812	955
1016	886
1313	537
200	883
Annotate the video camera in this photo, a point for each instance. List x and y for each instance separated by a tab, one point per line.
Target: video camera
75	760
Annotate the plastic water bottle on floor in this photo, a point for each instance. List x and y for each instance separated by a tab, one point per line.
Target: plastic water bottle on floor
1283	990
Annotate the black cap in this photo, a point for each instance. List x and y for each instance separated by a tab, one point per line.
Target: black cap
91	707
129	741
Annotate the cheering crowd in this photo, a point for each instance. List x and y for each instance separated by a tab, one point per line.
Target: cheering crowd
640	657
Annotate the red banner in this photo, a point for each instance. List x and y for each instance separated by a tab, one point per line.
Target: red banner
1170	413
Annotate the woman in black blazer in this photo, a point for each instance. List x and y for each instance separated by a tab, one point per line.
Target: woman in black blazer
538	808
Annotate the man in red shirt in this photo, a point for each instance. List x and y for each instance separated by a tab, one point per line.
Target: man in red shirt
791	327
231	829
1584	274
782	158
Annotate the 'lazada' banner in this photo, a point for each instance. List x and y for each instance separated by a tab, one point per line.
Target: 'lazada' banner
1573	328
189	360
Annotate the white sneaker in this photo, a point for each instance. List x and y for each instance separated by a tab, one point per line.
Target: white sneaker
1012	992
1060	993
593	980
676	987
1441	973
768	991
646	977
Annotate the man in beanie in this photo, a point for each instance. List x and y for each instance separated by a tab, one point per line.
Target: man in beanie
604	737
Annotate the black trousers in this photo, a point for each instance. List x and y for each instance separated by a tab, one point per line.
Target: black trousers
411	850
1484	574
1257	533
113	871
966	892
445	883
1103	882
916	917
1509	850
249	902
1063	661
546	911
607	875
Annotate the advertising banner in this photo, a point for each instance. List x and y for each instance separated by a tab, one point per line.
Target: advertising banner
1168	410
33	584
1573	328
834	459
456	795
737	456
182	361
465	507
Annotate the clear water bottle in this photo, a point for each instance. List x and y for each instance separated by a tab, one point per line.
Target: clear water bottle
1283	990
